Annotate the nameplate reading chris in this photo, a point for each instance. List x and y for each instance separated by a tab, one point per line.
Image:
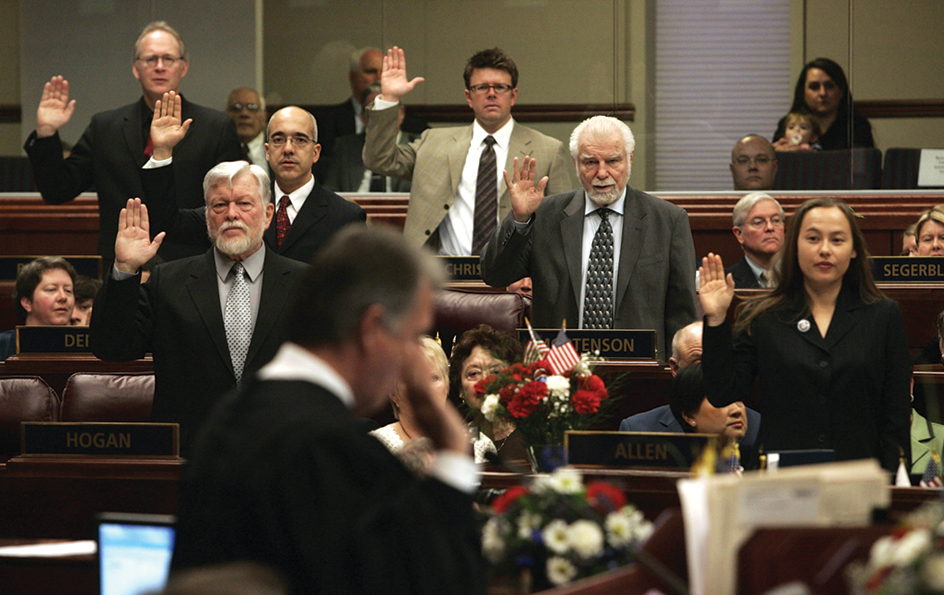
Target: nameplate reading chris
927	269
52	339
463	268
90	266
611	344
99	439
634	449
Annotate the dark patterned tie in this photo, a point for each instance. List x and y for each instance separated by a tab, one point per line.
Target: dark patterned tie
237	319
281	220
149	147
598	302
486	198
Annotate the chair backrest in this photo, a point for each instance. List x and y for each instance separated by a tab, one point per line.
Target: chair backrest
108	397
16	175
459	310
847	169
23	398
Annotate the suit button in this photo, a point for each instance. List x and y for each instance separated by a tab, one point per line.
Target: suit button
824	363
428	232
446	207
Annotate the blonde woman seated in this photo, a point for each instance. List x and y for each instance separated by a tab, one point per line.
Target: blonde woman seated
403	437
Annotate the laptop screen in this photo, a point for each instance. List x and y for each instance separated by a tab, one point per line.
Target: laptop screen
134	552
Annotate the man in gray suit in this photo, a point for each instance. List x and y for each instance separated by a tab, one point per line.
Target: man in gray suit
646	281
452	170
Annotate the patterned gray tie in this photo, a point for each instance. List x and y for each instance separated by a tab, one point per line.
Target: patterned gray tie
237	319
598	302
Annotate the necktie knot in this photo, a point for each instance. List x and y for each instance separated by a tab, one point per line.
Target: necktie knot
604	214
489	141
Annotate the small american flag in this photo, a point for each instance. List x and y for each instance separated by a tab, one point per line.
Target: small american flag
730	460
562	357
932	475
536	349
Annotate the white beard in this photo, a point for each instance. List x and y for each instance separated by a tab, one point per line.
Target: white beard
236	246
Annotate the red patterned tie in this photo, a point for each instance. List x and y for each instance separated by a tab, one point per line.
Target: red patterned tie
149	147
281	219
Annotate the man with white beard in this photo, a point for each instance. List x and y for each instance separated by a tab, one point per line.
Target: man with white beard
602	256
199	317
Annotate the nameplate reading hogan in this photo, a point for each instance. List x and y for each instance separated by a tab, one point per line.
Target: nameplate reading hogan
654	450
90	266
463	268
927	269
612	344
52	339
100	438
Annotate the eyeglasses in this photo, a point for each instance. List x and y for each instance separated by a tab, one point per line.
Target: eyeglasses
238	107
152	61
482	89
759	160
300	141
761	223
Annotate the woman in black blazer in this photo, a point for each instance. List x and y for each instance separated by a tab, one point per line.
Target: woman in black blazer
829	350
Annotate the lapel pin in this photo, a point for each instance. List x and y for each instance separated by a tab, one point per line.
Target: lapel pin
803	325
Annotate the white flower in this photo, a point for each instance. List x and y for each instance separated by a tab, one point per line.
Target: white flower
556	536
619	529
564	480
490	407
558	387
493	546
586	538
560	570
527	523
910	547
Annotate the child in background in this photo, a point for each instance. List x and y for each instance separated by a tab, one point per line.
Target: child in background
803	129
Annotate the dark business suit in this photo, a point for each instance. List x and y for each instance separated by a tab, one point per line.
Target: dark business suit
108	158
176	316
847	392
287	476
655	281
661	419
346	171
743	275
323	214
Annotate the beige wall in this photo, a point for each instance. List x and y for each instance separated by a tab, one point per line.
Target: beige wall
9	72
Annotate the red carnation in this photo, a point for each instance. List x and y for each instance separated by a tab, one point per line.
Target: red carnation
507	393
586	402
480	387
502	503
604	497
595	384
527	399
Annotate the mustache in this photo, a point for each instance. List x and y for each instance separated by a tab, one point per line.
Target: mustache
231	224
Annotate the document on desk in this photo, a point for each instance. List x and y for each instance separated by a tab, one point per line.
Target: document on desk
722	511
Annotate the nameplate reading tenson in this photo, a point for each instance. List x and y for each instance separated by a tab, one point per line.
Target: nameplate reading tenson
650	450
52	339
107	439
895	269
462	268
611	344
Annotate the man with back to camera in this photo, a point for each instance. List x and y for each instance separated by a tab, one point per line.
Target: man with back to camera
285	474
115	144
758	226
247	109
753	163
201	317
602	256
456	200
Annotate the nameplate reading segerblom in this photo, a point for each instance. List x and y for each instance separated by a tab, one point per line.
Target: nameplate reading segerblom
52	339
90	266
611	344
896	269
463	268
634	449
100	438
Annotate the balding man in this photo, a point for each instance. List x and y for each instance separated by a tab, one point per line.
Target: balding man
686	347
758	226
247	109
753	163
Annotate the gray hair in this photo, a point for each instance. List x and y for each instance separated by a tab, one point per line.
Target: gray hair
314	123
601	126
228	171
358	54
262	103
748	202
159	26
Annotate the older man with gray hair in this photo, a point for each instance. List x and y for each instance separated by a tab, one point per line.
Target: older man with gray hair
758	226
602	256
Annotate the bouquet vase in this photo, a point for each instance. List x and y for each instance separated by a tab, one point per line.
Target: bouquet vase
545	458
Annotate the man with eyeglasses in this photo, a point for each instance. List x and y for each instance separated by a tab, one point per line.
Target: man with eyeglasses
458	196
115	145
753	163
247	109
758	227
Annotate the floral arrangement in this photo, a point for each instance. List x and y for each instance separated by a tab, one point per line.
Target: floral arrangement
909	561
560	530
543	401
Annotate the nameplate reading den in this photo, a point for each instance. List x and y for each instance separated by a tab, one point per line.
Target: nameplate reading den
52	339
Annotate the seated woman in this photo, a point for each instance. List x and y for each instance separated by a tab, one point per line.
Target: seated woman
42	296
403	437
929	232
478	353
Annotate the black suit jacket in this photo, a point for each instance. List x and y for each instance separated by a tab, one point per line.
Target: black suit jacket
743	274
661	419
347	168
108	158
848	391
286	475
334	121
176	317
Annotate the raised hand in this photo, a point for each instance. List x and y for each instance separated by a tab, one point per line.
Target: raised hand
166	127
525	196
55	110
133	244
394	83
716	290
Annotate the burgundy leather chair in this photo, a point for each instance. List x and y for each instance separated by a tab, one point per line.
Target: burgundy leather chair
23	398
108	397
458	310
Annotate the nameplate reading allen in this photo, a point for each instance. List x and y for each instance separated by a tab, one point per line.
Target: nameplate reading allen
634	449
612	344
463	268
52	339
926	269
99	439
